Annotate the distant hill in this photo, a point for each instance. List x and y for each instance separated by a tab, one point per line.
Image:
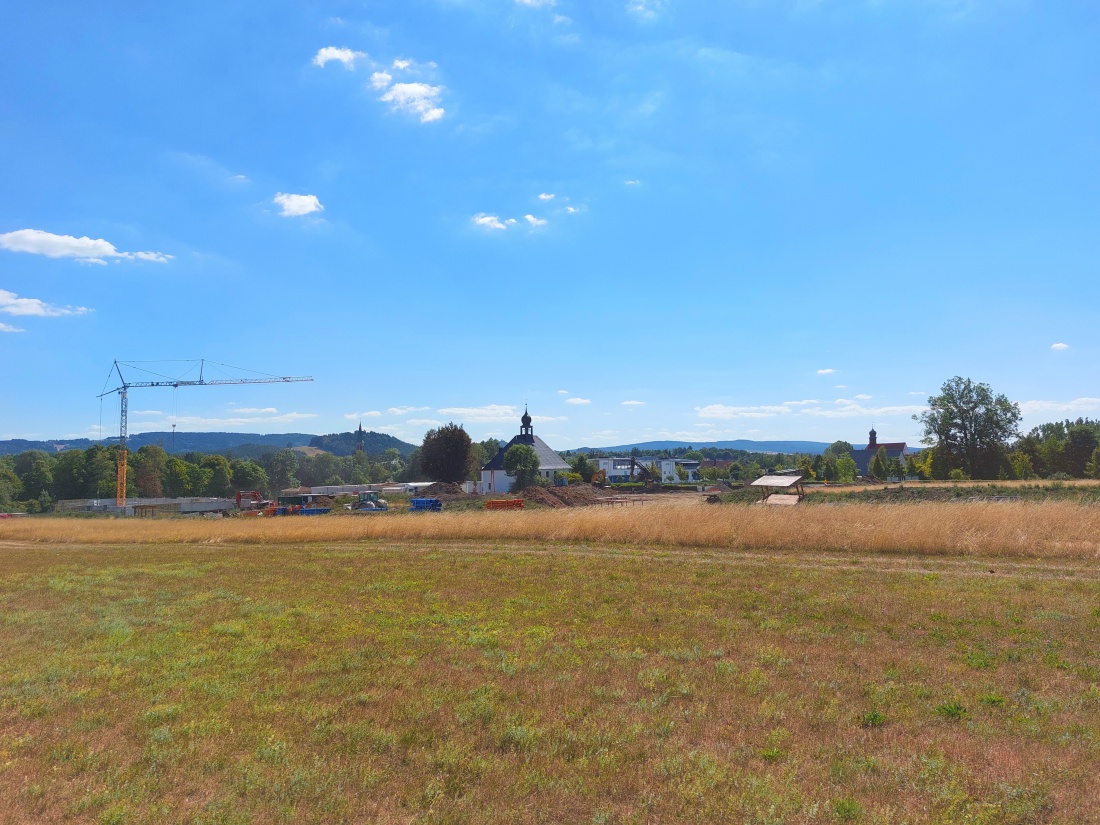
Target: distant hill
373	443
809	447
184	442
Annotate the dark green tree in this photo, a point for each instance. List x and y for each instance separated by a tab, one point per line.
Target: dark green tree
248	475
282	469
971	425
69	475
583	467
880	464
220	483
521	463
445	453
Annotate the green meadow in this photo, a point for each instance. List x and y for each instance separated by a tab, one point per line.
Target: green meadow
479	682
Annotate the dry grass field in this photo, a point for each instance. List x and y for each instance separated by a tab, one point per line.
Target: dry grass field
1048	529
680	664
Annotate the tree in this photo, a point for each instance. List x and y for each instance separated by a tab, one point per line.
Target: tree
880	464
970	425
34	471
583	468
845	469
521	463
150	464
281	469
445	453
1093	467
248	475
69	475
838	448
220	484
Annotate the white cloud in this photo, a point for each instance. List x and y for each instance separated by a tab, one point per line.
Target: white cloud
333	53
863	397
578	401
800	403
255	410
632	182
724	411
294	206
85	249
405	410
915	392
416	98
199	422
537	3
240	179
531	219
488	221
401	64
572	210
562	20
9	328
546	196
851	409
827	371
634	403
367	414
485	414
1059	346
380	80
645	9
424	422
563	392
1077	405
12	304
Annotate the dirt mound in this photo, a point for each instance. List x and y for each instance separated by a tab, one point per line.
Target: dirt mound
446	491
575	495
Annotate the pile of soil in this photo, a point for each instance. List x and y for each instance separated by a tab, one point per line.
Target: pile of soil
575	495
446	491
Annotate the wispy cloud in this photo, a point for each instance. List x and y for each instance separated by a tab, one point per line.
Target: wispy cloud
484	414
9	328
424	422
537	3
295	206
827	371
578	401
1059	346
546	196
367	414
12	304
634	403
255	410
852	409
563	392
531	219
863	397
724	411
416	98
84	249
645	9
330	54
1077	405
406	410
487	221
800	403
632	182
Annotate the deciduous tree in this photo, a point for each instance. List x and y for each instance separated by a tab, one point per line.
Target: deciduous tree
521	463
970	425
445	453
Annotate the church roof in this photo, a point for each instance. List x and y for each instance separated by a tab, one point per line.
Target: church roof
548	459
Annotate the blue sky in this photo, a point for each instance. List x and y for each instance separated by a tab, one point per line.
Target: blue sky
647	218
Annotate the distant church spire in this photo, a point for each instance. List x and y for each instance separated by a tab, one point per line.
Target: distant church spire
873	438
359	440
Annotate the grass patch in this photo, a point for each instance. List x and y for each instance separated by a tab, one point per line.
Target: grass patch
442	682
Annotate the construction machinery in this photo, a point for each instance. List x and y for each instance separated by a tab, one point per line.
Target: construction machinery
369	502
202	381
425	505
251	502
643	473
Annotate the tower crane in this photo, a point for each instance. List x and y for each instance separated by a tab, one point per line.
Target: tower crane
123	394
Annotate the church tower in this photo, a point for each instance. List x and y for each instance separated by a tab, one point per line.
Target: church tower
872	442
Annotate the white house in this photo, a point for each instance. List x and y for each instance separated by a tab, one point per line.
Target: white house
617	469
493	477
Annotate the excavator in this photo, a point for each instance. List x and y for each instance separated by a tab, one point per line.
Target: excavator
643	473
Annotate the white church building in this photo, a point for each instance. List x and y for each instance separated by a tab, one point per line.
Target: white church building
493	477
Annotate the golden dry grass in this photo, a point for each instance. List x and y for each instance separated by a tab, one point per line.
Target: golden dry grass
1021	530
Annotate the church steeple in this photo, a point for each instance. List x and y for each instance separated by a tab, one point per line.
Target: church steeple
525	429
359	440
872	442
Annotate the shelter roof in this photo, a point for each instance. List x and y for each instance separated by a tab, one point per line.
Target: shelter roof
777	481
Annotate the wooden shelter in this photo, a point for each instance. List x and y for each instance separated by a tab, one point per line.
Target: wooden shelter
785	489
